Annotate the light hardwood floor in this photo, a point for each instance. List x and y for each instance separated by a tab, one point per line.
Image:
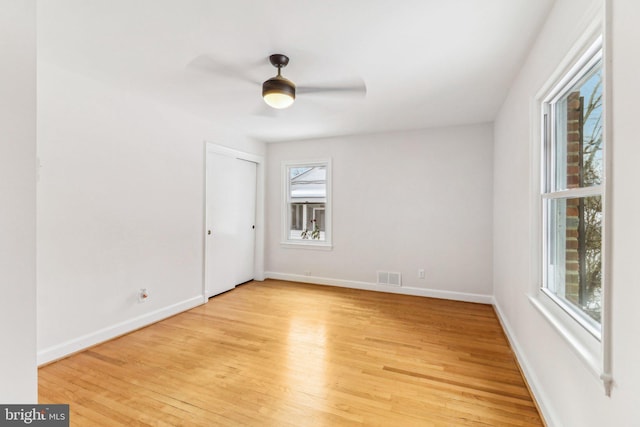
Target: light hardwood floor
289	354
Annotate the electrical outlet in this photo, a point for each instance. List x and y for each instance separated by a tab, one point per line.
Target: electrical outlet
421	273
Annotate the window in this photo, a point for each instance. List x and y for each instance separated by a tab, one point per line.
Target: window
307	210
573	190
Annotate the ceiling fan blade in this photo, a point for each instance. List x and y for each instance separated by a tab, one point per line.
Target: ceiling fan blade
209	64
358	88
264	110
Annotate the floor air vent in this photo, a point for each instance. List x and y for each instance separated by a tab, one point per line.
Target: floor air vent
389	278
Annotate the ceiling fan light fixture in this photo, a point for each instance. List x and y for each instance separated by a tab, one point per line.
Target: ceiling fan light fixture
278	92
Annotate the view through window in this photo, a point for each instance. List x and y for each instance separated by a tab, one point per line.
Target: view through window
307	202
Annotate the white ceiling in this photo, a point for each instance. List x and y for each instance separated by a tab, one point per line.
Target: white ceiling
425	62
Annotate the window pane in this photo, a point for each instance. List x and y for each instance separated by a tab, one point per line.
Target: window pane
578	133
574	267
295	171
307	200
296	217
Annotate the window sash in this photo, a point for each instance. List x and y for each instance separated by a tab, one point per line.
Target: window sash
556	260
552	193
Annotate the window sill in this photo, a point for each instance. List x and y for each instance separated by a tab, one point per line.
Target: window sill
583	344
320	246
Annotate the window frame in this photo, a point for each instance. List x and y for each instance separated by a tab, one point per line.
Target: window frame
286	240
595	353
551	192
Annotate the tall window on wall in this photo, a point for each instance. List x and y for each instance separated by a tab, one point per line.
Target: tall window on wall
573	190
307	203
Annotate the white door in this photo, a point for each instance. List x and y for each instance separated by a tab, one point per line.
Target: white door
231	213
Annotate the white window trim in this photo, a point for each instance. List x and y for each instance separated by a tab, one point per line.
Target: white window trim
285	241
593	350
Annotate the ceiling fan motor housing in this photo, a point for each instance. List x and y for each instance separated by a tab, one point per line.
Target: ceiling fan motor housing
279	84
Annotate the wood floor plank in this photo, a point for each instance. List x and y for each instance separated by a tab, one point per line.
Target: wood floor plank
278	353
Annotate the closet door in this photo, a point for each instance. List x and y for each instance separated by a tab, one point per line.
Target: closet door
231	213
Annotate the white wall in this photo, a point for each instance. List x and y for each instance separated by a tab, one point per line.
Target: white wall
18	374
401	202
569	394
625	407
120	207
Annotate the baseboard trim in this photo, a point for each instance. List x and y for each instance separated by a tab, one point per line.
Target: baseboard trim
75	345
404	290
549	416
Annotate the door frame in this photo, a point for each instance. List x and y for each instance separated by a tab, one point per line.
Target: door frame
258	266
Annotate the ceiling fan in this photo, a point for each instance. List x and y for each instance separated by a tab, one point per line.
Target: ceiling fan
278	92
